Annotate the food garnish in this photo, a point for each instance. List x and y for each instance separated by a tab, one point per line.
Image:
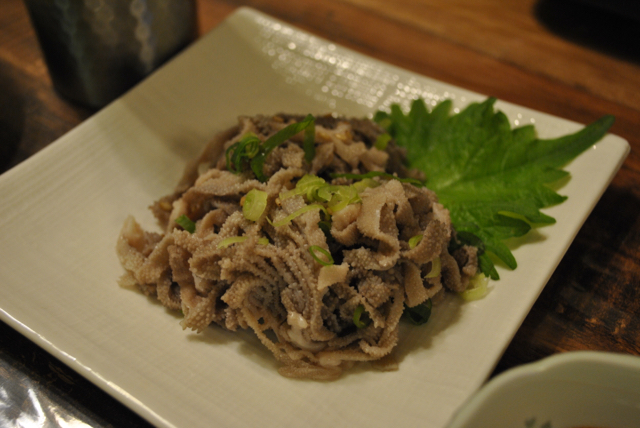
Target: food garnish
251	152
186	223
493	179
420	314
312	232
254	204
314	249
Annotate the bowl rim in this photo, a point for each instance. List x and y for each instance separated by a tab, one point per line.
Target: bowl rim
563	366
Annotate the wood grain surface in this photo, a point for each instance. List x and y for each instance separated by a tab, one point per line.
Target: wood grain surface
566	58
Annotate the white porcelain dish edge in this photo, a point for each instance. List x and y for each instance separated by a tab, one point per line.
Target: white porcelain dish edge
58	276
572	389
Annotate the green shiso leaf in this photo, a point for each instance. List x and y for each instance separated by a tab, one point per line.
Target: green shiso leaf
493	179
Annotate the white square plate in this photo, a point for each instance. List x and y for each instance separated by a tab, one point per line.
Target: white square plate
62	210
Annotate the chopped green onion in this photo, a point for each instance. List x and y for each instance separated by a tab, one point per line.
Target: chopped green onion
309	144
298	213
419	314
325	226
325	193
343	196
243	150
236	239
436	268
307	185
317	190
314	248
372	174
231	240
230	150
382	141
477	289
415	240
365	184
255	202
359	320
257	162
186	223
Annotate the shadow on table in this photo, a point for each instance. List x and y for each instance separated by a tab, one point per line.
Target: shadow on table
612	27
11	118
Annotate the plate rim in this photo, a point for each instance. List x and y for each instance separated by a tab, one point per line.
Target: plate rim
112	389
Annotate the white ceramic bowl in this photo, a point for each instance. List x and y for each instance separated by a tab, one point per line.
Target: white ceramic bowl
573	389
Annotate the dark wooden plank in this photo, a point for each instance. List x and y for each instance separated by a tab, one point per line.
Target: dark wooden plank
535	53
568	41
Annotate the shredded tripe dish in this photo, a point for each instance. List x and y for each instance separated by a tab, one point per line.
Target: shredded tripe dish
309	231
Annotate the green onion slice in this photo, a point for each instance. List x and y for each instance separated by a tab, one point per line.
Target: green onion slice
419	314
307	185
278	138
309	144
325	226
477	289
315	189
382	141
186	223
314	248
236	239
255	202
415	240
365	184
298	213
343	196
436	268
243	150
372	174
325	193
358	317
231	240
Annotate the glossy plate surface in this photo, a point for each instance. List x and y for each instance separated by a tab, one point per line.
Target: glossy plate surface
62	210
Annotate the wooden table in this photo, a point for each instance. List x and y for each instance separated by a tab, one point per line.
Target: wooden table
562	57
